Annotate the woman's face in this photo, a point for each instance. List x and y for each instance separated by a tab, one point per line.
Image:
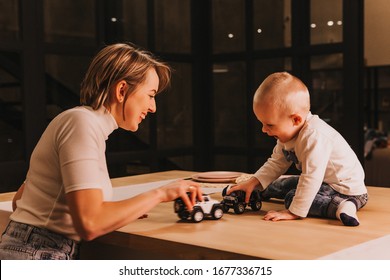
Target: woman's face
138	104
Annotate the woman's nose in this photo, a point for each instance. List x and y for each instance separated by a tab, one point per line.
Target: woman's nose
152	106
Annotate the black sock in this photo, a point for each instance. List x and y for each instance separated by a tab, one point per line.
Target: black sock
348	220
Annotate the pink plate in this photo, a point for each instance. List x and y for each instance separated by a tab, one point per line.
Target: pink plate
217	176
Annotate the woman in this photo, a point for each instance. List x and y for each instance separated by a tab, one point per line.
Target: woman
66	195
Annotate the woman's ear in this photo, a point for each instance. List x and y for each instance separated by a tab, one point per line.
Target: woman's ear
120	91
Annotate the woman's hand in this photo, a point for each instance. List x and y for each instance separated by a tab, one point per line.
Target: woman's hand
280	215
181	189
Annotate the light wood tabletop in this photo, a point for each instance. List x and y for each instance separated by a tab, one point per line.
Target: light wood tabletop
247	236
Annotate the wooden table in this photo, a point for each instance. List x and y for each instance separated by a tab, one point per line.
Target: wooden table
246	236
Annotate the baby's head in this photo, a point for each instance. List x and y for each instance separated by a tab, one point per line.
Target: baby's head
281	104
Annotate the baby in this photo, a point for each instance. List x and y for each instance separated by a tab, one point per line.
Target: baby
331	183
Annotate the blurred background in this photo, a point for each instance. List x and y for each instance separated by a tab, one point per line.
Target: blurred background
220	51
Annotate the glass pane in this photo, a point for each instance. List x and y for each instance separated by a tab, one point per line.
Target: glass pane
121	140
260	160
377	99
326	94
134	18
178	163
228	26
70	21
326	21
128	168
263	68
266	67
230	108
9	20
63	77
384	112
272	24
11	108
172	26
331	61
384	99
384	77
231	163
174	110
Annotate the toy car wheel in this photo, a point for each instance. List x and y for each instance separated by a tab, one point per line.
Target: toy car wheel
217	212
197	215
225	208
183	215
178	206
256	206
239	208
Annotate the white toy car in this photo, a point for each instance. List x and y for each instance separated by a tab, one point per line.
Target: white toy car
208	207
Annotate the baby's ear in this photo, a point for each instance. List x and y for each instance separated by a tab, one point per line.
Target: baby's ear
296	119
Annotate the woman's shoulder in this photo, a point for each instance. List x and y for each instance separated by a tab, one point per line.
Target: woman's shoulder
79	113
84	120
74	120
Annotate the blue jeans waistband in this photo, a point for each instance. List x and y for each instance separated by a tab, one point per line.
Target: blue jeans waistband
40	238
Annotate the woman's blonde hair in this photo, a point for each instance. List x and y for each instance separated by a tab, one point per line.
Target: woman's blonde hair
115	63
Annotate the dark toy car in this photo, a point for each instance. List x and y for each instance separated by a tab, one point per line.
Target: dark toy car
236	200
208	207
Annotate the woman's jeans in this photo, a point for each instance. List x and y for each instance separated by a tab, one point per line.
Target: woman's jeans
325	203
25	242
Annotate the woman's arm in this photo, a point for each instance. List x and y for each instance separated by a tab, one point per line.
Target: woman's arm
17	196
93	217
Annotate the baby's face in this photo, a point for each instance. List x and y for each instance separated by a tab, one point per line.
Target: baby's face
275	123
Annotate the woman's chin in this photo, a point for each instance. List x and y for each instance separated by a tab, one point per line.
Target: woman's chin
132	128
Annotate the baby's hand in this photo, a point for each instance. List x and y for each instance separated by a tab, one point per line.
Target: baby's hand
280	215
246	186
